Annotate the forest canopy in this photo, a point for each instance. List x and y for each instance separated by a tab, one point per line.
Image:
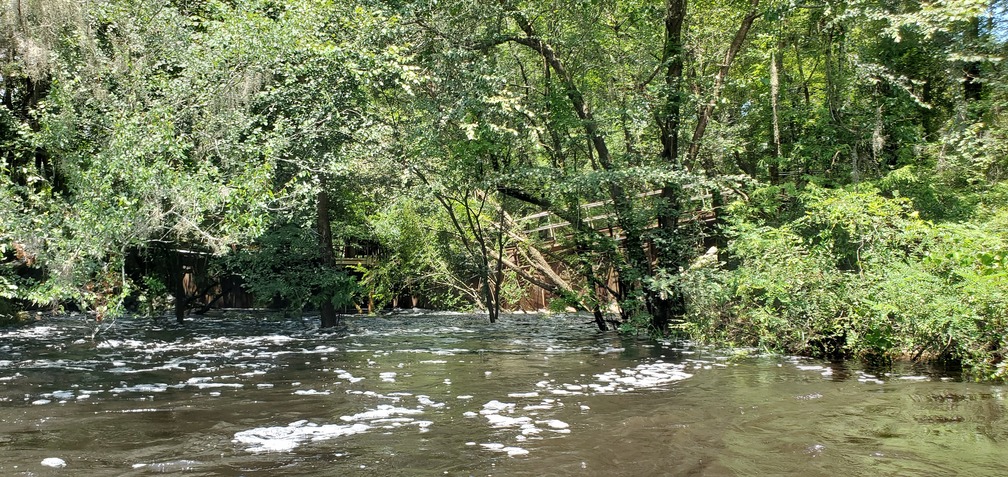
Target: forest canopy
825	177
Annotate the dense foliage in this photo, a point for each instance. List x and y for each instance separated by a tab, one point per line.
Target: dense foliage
826	178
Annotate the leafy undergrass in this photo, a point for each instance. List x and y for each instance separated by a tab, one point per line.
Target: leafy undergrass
863	271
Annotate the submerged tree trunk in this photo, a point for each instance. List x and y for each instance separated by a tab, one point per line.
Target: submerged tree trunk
499	270
329	317
180	298
176	276
664	307
673	245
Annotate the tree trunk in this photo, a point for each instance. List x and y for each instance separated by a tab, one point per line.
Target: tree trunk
708	110
181	297
775	59
499	270
672	55
972	86
668	246
599	318
329	317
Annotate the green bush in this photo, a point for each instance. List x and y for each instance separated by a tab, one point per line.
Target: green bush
859	274
282	270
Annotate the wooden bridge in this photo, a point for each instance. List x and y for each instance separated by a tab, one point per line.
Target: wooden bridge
539	241
539	249
600	217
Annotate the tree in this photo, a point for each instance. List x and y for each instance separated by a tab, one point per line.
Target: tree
150	153
590	96
191	139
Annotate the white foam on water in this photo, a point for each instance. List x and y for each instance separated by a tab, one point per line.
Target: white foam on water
496	406
63	394
554	424
499	421
345	375
434	351
390	397
54	462
383	411
217	385
392	423
388	377
643	376
169	466
133	344
289	437
141	388
424	400
311	392
32	332
449	352
509	450
537	407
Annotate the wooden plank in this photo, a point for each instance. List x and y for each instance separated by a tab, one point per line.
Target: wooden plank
356	261
592	205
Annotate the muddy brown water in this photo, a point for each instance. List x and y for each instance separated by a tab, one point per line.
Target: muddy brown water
428	394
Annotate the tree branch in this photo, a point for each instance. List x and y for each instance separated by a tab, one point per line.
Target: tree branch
729	58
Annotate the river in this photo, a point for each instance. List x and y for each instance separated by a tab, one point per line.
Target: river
428	394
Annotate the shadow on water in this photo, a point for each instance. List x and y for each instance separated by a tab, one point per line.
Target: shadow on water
430	394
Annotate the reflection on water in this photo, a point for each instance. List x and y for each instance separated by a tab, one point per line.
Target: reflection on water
452	395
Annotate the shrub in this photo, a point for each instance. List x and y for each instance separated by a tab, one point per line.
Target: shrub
858	273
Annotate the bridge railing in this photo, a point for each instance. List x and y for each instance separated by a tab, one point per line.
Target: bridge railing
598	215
